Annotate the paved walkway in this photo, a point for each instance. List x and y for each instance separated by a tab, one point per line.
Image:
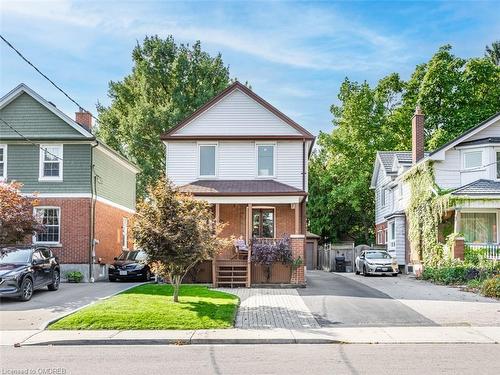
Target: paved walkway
271	308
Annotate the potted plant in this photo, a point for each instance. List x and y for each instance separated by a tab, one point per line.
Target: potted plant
74	276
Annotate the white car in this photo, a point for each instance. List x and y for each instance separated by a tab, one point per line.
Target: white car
376	262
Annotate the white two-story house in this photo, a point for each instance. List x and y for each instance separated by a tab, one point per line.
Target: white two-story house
249	161
468	166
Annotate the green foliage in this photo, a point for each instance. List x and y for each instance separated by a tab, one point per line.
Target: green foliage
475	256
176	231
146	307
168	82
493	52
74	276
454	93
491	287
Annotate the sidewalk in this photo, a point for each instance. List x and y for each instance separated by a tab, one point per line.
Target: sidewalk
357	335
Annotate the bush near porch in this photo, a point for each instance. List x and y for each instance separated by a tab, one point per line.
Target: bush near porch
150	306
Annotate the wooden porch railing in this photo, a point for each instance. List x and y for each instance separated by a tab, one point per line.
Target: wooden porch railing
492	250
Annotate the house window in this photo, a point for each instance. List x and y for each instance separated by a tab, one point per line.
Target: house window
380	239
125	233
473	159
263	223
498	165
50	217
265	160
385	236
51	166
207	160
392	234
382	197
479	227
400	191
3	162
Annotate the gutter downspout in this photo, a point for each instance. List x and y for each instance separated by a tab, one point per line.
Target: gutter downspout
302	206
93	195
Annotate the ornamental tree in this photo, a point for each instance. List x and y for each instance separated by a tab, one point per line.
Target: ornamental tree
16	214
176	231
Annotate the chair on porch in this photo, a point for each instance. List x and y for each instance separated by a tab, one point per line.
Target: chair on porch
240	248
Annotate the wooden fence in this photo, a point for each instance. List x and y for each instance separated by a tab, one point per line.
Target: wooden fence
328	252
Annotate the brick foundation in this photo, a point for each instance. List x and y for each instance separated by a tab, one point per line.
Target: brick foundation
380	227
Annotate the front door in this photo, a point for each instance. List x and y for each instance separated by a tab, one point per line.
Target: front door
263	223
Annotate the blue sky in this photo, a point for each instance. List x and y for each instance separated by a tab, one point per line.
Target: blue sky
294	54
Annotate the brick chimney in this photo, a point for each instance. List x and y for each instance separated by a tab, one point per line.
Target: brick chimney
417	136
84	118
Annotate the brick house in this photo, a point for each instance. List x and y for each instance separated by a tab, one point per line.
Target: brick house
86	191
249	161
468	167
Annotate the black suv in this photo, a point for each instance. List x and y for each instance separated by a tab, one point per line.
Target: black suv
24	269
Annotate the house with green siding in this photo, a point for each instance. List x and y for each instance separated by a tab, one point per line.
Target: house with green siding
85	190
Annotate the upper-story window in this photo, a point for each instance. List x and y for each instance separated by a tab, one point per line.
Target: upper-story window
382	197
207	156
498	165
265	160
3	162
400	191
51	163
473	159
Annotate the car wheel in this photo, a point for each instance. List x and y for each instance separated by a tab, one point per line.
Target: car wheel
356	271
395	274
56	280
365	273
26	289
147	276
112	279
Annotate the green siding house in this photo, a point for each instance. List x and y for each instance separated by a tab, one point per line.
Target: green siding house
85	190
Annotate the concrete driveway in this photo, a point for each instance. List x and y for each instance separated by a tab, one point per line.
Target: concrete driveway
46	305
344	299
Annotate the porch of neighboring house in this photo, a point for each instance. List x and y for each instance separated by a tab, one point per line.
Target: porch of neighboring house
250	222
478	226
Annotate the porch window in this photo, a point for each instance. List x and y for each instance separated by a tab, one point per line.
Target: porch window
479	227
265	160
473	159
207	160
263	223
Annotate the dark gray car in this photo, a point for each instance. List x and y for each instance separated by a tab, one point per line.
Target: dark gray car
25	269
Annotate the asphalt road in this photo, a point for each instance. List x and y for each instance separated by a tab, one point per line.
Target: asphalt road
338	301
255	359
46	305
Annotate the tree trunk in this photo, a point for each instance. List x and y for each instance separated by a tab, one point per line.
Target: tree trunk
177	282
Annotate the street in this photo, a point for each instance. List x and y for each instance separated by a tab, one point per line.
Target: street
256	359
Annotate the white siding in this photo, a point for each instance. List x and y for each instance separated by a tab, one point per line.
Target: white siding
236	160
491	131
381	211
400	240
446	172
237	114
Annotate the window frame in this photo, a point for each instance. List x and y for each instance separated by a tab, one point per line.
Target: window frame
392	234
34	240
497	232
261	208
261	144
216	159
465	153
125	233
41	163
380	237
383	201
3	177
497	153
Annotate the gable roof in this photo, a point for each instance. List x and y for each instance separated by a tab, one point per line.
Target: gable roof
303	133
23	88
479	187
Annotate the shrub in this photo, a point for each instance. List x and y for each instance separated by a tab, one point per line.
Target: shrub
74	276
491	287
474	256
267	252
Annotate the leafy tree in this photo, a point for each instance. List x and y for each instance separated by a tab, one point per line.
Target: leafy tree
176	231
493	52
455	94
16	215
167	83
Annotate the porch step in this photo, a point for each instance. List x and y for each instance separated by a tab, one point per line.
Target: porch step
231	273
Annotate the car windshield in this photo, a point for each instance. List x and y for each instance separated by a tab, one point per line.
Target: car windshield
137	256
377	255
123	256
14	255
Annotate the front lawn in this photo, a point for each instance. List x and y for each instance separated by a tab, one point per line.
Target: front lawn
150	306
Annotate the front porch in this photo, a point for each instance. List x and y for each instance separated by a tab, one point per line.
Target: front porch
253	223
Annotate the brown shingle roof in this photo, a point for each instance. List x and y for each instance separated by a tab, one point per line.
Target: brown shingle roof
240	187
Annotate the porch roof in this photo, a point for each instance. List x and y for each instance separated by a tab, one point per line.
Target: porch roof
240	188
479	188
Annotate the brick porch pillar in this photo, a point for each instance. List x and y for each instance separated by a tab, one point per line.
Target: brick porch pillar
298	243
458	248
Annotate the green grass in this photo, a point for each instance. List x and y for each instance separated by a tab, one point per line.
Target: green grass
150	306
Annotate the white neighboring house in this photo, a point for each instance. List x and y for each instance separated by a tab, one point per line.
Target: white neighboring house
469	165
